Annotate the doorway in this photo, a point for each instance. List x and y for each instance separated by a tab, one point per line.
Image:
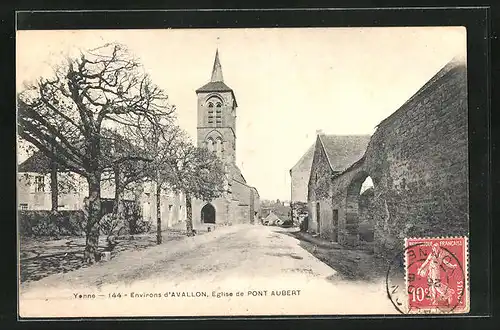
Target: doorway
335	222
208	214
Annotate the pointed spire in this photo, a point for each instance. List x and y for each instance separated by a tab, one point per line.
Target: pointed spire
217	70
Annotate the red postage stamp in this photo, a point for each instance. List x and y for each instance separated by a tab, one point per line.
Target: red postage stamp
437	275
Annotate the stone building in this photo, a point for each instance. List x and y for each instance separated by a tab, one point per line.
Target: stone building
216	130
299	176
417	160
34	193
333	154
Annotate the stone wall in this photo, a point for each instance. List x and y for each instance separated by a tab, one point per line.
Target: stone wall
419	158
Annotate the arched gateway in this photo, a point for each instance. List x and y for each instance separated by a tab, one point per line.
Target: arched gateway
208	214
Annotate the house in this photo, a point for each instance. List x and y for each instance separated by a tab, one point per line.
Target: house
34	193
272	220
332	155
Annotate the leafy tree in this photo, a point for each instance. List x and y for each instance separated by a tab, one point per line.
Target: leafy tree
196	172
63	116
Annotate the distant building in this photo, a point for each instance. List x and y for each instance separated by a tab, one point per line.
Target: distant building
34	193
299	175
273	220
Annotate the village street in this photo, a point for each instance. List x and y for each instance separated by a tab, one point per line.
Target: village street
251	260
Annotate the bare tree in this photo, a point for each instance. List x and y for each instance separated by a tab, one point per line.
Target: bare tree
63	116
158	141
127	165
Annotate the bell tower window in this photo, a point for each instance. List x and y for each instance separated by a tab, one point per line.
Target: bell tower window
210	112
218	117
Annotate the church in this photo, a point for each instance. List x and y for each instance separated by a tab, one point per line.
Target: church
216	130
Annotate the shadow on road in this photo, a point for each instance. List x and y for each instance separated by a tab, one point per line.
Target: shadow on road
278	254
350	264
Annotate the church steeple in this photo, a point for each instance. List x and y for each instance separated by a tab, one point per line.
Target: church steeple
217	69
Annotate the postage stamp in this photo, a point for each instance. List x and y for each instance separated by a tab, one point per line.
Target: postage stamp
437	275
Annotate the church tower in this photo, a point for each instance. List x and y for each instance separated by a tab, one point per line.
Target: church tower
217	116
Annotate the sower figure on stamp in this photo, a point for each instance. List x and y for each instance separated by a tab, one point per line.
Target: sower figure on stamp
436	260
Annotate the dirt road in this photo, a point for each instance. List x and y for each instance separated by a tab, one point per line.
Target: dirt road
237	270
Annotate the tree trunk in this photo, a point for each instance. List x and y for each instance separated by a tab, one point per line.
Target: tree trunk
54	189
118	207
158	208
93	218
189	215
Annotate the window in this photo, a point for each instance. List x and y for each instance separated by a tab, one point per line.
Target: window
218	145
210	144
210	112
170	207
39	184
23	206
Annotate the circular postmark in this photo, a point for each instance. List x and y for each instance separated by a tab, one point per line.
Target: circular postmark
427	276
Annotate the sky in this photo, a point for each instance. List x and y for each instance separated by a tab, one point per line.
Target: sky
289	82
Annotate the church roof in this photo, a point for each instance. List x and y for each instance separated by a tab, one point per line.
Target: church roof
237	175
216	83
343	150
217	69
214	86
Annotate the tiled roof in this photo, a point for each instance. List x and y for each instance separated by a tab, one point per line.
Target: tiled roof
237	175
38	163
344	150
215	86
306	158
216	83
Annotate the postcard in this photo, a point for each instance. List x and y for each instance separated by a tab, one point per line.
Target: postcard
242	172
